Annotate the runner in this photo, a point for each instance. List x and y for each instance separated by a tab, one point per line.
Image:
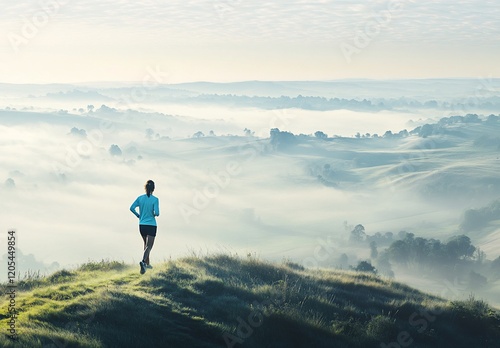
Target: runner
149	208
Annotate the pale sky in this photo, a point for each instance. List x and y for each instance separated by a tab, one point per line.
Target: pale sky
74	41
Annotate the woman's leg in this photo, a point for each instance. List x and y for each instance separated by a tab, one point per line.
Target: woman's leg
144	239
147	249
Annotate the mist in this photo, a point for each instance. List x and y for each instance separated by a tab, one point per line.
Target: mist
247	179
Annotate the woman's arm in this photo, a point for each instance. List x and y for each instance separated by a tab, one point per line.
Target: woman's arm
133	207
156	208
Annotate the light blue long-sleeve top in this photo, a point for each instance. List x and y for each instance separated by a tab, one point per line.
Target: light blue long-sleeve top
149	207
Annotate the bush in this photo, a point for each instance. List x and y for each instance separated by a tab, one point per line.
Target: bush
474	315
103	265
382	328
365	266
60	276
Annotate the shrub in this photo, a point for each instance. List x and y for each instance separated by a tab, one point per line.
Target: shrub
103	265
365	266
474	315
382	328
60	276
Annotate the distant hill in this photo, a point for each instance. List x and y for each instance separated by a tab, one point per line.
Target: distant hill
348	88
478	95
225	301
77	95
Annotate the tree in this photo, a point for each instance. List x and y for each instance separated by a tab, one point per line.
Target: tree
10	183
493	119
460	247
281	139
358	234
403	134
320	135
419	250
365	266
149	133
384	266
343	261
431	104
436	252
398	251
198	134
115	150
373	250
479	255
402	234
426	130
472	118
78	132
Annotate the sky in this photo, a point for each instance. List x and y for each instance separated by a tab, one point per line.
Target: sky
74	41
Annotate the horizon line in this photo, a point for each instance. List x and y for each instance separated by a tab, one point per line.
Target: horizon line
254	81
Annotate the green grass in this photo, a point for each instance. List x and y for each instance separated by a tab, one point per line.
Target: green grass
226	301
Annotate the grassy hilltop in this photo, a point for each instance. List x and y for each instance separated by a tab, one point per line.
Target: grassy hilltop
226	301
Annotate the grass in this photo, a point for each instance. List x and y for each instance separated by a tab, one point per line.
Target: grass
226	301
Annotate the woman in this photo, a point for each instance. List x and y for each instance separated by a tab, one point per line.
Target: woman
149	207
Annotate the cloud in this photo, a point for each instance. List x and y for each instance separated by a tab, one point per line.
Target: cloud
283	20
233	40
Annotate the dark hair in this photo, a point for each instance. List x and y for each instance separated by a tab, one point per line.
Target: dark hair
149	187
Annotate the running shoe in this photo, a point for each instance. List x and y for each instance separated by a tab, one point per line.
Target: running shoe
143	267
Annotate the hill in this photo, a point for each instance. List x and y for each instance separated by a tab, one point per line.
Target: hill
226	301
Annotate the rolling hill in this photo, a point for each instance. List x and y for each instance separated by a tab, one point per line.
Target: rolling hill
230	301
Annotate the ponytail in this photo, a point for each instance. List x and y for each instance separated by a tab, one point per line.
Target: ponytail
149	187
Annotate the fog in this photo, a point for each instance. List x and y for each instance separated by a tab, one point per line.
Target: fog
227	183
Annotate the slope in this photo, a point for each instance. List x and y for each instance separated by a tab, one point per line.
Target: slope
222	300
